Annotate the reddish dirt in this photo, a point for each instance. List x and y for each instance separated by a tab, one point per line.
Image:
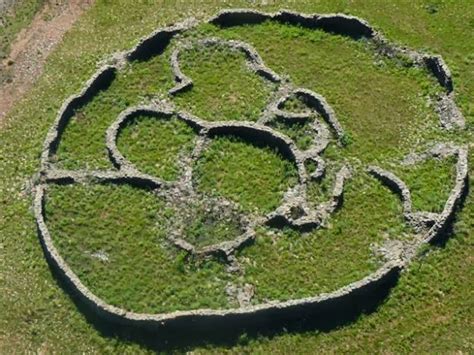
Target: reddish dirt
32	46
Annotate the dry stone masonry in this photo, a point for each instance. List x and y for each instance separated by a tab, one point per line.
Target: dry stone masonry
294	211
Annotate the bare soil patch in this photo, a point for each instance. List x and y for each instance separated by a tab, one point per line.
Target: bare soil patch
32	46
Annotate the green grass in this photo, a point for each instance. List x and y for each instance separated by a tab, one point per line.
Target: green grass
143	273
430	183
83	142
321	191
382	105
355	82
211	226
253	175
299	131
154	144
128	226
242	94
295	104
301	265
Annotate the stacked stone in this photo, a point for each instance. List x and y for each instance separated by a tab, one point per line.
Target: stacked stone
432	226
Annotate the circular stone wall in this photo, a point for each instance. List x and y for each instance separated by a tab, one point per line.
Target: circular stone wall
201	221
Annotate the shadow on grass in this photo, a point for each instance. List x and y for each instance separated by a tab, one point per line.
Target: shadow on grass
186	334
442	238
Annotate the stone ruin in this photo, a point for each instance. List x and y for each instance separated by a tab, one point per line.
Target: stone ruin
294	211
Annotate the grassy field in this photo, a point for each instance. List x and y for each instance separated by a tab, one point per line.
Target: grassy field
229	162
381	104
153	144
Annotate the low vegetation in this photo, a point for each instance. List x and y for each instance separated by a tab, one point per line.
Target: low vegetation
118	248
241	96
300	131
154	144
255	176
430	183
114	237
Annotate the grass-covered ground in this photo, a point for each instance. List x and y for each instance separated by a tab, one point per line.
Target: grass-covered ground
430	182
381	104
152	144
254	176
242	94
145	278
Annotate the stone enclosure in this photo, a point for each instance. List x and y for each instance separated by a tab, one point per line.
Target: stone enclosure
294	211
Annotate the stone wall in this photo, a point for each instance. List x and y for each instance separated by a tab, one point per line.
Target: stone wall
430	226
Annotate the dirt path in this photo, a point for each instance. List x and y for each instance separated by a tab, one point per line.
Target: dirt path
33	45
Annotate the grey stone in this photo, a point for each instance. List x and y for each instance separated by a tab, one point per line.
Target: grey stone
294	212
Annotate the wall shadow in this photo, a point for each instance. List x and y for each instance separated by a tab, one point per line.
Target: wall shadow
186	334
